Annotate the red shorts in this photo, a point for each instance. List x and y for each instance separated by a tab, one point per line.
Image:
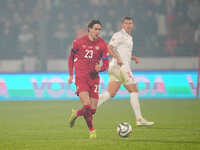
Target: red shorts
88	84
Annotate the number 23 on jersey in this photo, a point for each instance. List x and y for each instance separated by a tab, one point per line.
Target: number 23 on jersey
88	54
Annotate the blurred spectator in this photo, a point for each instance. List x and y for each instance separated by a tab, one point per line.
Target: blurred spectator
25	40
197	36
61	36
8	41
107	31
151	24
164	27
171	45
194	11
186	34
30	62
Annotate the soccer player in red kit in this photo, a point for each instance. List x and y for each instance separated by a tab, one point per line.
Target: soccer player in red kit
86	54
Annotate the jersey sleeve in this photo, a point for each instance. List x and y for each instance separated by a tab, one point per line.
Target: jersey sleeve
105	58
75	44
74	50
115	40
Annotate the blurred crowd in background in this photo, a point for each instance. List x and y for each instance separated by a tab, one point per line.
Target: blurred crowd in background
163	28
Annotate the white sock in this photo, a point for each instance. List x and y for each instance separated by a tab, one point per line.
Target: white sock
103	98
134	100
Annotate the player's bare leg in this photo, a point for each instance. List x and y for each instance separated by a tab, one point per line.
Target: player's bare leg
87	105
84	97
113	87
94	101
134	100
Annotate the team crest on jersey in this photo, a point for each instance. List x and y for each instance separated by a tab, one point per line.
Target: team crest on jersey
97	47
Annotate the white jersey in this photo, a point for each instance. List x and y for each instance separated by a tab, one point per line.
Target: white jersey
122	43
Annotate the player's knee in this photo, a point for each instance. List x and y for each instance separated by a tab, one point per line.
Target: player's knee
112	94
133	91
85	103
132	88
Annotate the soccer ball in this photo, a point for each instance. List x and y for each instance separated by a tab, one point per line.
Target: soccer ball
124	129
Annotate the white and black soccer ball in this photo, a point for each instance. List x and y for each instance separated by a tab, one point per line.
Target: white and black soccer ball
124	129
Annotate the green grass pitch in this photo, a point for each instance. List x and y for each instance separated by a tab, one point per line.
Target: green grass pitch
43	125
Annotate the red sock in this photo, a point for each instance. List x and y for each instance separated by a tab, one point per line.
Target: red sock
88	118
81	111
93	111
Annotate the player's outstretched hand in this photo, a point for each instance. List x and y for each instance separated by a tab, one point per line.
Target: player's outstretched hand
94	74
119	62
70	79
136	59
97	68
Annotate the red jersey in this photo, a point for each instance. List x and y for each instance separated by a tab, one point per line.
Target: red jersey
86	54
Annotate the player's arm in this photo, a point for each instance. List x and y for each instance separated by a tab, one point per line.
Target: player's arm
105	60
114	54
136	59
70	66
105	65
71	63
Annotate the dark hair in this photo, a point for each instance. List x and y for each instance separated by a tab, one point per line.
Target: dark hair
126	18
93	22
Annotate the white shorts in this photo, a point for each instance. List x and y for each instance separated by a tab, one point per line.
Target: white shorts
121	74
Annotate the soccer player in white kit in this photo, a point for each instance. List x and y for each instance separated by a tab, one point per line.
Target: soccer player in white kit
120	48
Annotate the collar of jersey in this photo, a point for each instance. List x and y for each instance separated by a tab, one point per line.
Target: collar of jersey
125	33
90	40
